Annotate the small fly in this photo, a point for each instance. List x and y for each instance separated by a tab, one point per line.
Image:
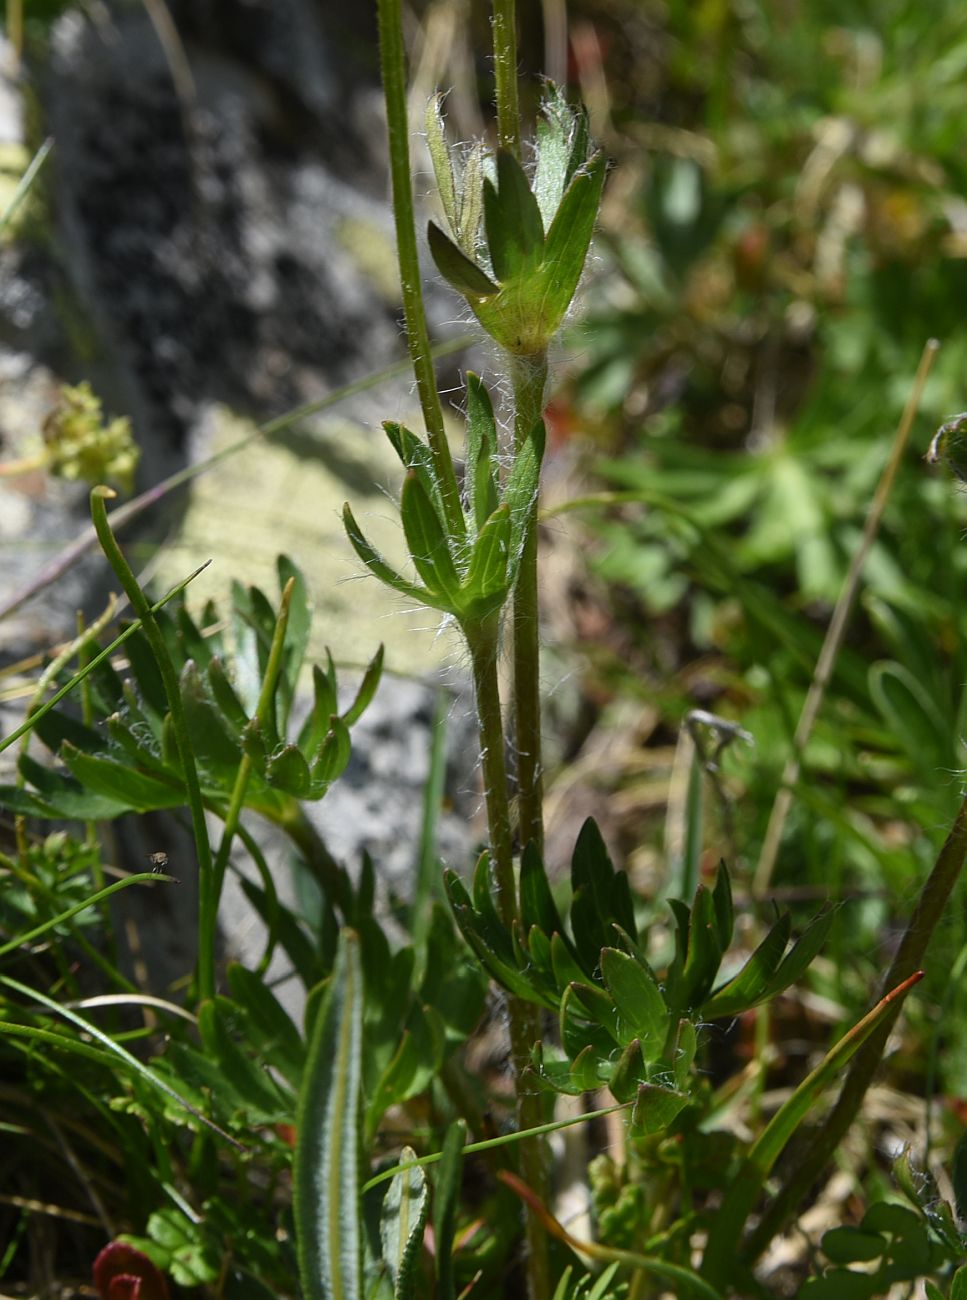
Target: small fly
159	862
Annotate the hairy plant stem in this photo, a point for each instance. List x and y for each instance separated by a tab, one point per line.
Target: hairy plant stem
909	956
207	900
529	379
524	1019
505	75
393	68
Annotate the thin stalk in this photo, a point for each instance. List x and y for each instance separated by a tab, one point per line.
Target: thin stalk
909	956
483	644
207	901
524	1019
837	629
505	75
393	67
529	378
244	772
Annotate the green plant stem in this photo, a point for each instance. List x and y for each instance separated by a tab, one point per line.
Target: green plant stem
524	1019
505	75
529	378
909	956
482	640
393	68
266	696
207	900
491	1144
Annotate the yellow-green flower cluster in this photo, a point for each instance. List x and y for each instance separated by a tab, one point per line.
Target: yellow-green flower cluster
81	446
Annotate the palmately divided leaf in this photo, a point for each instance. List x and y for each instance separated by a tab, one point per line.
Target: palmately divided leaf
752	983
537	906
56	795
317	724
799	957
331	759
724	909
643	1015
704	954
628	1072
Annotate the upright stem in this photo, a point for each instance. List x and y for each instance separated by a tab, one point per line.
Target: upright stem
483	643
505	75
523	1017
529	378
909	957
207	900
393	66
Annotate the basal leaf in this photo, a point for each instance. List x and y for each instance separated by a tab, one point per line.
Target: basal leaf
628	1073
752	983
800	956
402	1219
326	1205
288	770
446	1201
655	1108
274	1035
643	1015
136	790
537	906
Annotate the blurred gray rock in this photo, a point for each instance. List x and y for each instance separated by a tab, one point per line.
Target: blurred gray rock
213	231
